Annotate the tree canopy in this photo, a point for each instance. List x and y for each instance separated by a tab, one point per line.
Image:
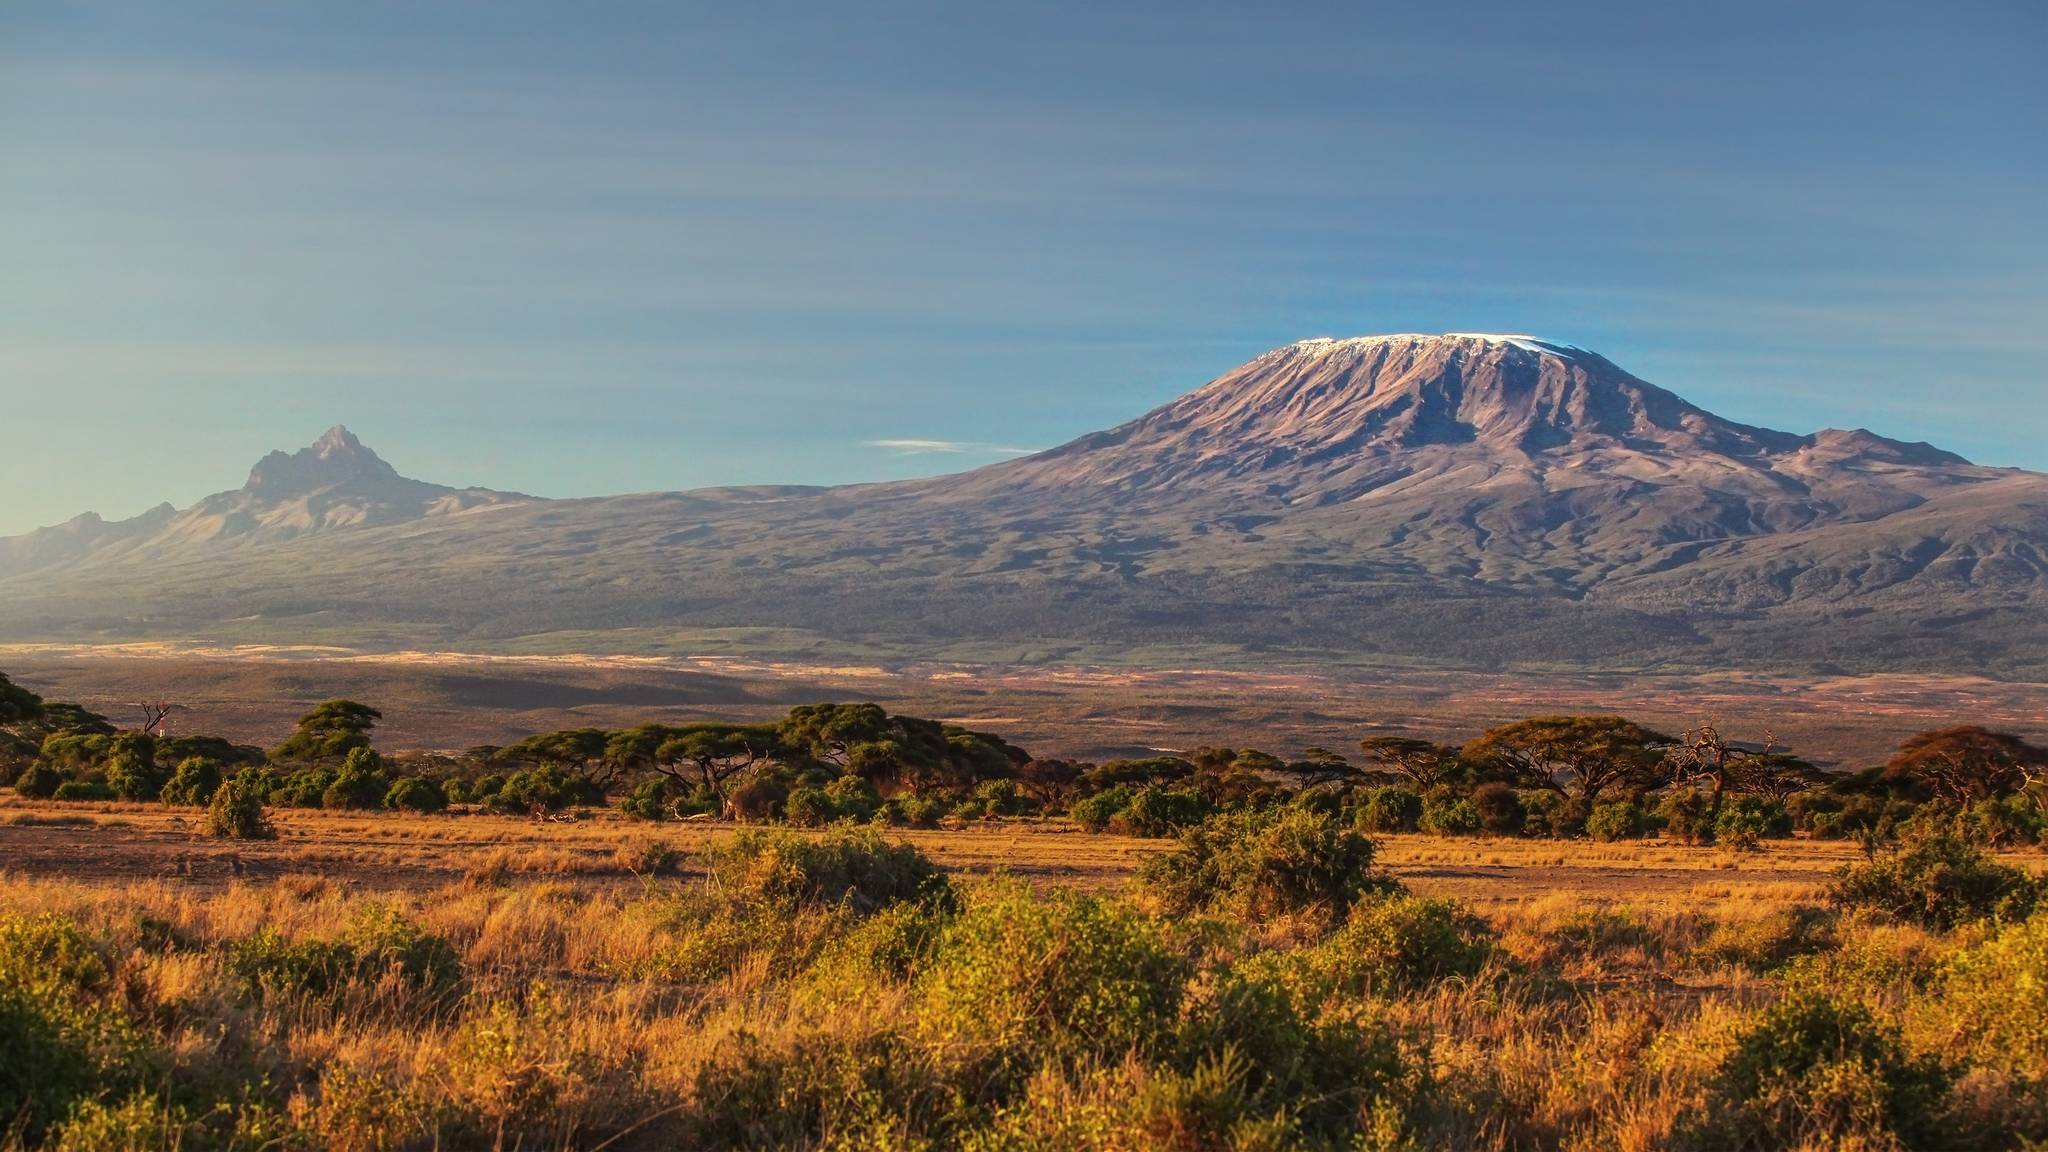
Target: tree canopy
1581	756
18	705
1968	763
329	732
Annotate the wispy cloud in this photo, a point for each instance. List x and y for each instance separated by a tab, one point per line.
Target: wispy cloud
915	447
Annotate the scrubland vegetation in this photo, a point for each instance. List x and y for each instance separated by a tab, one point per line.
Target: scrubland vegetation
1263	982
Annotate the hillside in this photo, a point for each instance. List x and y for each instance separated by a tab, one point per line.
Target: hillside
1463	500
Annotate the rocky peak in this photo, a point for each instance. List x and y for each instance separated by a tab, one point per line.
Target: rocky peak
336	458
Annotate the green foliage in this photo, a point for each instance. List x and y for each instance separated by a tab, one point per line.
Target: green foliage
416	794
193	784
329	732
1816	1071
236	813
1451	816
1617	820
18	705
133	778
1769	942
1390	810
1390	943
1095	812
1939	881
377	943
647	800
1745	821
60	1043
809	808
1158	811
1687	815
360	784
1264	865
39	782
1029	978
853	798
856	868
83	790
546	788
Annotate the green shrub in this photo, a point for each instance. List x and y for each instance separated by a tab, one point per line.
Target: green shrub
1815	1071
360	784
1745	821
133	778
1500	809
379	941
757	798
1155	811
1940	882
852	867
1769	942
914	811
1390	943
1095	812
1390	810
1028	977
302	789
854	798
1616	820
38	782
648	800
1451	816
546	788
1266	864
193	784
236	813
2004	823
1990	1007
1001	798
809	808
1687	816
416	794
81	790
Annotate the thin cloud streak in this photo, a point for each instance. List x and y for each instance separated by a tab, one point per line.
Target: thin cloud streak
917	447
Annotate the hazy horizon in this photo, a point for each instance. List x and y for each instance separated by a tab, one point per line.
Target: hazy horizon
647	248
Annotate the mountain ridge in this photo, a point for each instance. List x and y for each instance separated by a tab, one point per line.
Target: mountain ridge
1469	499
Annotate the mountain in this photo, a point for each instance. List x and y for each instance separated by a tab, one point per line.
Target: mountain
332	484
1458	500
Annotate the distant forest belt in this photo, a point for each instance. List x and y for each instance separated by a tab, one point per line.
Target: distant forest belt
455	701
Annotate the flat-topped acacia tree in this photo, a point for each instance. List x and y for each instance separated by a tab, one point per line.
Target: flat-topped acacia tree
1580	756
329	732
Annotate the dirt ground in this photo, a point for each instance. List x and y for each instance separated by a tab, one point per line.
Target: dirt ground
116	844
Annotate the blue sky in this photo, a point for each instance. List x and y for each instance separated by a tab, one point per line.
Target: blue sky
593	248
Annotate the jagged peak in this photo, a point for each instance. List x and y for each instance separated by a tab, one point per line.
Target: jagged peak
336	457
1517	341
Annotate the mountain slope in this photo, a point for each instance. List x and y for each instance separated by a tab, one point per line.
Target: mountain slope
334	483
1465	499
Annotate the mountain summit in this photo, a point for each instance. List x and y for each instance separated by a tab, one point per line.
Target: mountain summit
333	483
336	458
1461	499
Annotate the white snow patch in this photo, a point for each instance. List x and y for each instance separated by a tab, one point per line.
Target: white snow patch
1325	344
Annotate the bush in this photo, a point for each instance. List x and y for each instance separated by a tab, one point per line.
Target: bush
1454	816
38	782
809	808
1500	810
1095	812
648	800
236	813
1939	882
81	790
1390	810
913	811
1686	815
193	784
1264	865
360	784
302	789
133	778
854	798
853	867
1002	798
546	789
378	941
1991	1005
1155	812
1390	943
1745	821
2004	823
1031	977
1616	820
416	794
1815	1071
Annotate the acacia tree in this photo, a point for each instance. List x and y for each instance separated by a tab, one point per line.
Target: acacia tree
1423	765
1320	766
583	752
329	732
710	755
1579	756
1968	763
